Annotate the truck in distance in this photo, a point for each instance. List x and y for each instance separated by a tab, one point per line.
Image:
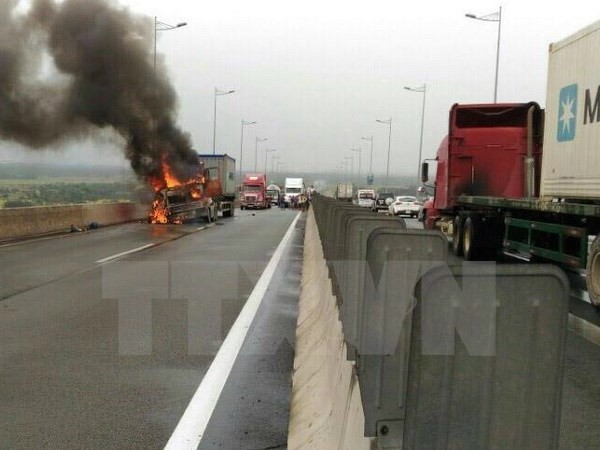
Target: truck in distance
254	192
293	188
273	192
202	196
344	192
366	198
220	182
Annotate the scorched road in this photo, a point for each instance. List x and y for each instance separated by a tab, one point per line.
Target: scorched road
106	335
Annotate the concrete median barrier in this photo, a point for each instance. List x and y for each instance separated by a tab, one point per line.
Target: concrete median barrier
326	410
446	355
34	221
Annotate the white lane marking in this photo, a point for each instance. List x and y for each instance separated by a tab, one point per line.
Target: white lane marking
26	240
192	425
128	252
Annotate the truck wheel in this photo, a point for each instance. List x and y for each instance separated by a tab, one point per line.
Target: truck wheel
471	241
457	236
592	272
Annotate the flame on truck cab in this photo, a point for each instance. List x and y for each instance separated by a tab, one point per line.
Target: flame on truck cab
172	196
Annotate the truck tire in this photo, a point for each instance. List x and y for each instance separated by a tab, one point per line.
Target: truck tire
592	272
457	236
472	239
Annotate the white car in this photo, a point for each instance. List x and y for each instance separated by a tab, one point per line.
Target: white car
405	205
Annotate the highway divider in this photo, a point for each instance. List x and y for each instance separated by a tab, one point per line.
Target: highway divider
396	348
39	220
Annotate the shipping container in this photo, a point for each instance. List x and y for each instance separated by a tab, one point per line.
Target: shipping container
572	128
221	167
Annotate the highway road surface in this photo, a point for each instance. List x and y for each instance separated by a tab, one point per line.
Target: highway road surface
106	335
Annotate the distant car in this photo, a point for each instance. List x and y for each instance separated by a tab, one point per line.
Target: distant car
383	202
405	205
365	198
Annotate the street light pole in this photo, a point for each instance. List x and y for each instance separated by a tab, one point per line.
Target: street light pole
359	150
244	123
273	158
421	89
256	141
370	139
350	158
267	151
217	93
492	17
387	172
161	26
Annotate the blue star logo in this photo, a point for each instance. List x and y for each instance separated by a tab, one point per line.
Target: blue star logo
567	113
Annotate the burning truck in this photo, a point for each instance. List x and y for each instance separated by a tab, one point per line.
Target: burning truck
209	191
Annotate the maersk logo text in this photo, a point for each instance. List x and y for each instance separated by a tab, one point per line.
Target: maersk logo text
591	110
567	113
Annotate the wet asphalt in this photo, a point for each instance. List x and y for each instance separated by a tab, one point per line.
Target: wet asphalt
98	355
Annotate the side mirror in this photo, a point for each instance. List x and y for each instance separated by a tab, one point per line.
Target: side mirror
424	172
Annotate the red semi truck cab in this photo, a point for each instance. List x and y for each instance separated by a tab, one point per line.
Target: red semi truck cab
254	192
491	150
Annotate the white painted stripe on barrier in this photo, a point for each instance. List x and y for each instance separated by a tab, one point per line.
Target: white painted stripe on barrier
128	252
193	423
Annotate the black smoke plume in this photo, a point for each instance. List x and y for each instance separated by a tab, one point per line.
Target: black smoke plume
101	76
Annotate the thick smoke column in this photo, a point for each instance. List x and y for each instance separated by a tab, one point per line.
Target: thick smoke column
103	54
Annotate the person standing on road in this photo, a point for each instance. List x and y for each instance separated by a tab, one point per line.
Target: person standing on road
303	201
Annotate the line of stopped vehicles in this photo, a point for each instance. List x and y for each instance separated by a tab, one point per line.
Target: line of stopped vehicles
381	200
213	191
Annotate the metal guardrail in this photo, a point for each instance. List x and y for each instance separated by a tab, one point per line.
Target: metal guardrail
446	357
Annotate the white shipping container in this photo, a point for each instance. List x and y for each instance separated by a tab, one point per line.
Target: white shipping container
571	155
226	171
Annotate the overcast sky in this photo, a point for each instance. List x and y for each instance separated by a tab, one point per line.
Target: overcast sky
316	74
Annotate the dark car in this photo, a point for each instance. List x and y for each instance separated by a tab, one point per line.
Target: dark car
383	201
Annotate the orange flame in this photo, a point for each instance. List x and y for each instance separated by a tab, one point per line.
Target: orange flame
158	213
168	180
